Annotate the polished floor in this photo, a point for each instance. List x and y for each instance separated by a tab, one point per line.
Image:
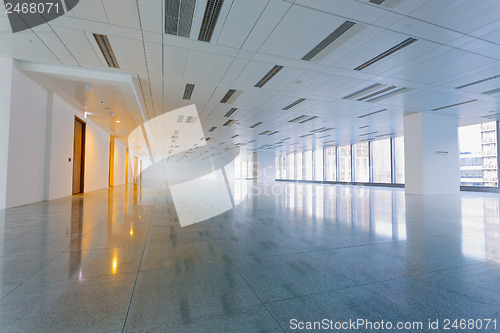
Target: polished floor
117	260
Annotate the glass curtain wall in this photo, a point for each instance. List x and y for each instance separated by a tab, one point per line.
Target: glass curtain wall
331	164
298	166
308	165
361	162
478	154
399	159
290	167
345	163
318	164
381	158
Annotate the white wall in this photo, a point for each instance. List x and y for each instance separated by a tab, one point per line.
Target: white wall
36	142
96	158
26	158
120	163
61	169
6	65
426	171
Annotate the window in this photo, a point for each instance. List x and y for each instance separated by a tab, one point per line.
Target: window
290	167
318	164
283	166
243	167
308	165
277	167
345	163
298	166
331	164
361	162
478	154
399	159
237	167
381	157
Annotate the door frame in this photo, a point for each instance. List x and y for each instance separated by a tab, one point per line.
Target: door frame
82	166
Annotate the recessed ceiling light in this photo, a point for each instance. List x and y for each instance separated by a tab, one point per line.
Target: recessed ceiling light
29	41
117	121
101	102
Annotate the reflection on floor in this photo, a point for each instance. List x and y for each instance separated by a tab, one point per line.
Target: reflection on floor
117	260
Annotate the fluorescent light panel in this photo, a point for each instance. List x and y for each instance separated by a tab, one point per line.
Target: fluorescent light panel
363	91
450	106
230	112
188	91
372	113
300	100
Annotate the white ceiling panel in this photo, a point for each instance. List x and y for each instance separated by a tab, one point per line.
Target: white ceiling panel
216	68
432	9
266	23
296	20
126	16
459	18
234	70
196	63
79	44
357	11
46	34
253	72
174	62
431	32
129	53
151	15
241	19
92	10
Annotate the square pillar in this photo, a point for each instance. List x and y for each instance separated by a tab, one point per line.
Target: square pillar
432	163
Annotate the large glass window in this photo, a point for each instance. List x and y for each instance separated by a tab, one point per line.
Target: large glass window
243	167
290	167
318	164
361	162
237	168
308	165
331	164
283	165
277	167
478	154
381	157
345	163
298	165
399	159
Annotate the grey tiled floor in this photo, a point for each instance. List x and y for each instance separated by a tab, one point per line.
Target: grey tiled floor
117	260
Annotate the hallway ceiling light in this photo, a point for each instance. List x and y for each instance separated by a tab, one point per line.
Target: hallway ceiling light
376	93
372	113
478	81
363	91
231	96
389	94
230	112
256	124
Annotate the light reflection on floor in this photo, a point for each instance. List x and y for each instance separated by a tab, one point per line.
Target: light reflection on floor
117	259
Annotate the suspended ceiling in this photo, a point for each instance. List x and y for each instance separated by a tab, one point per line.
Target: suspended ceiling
450	66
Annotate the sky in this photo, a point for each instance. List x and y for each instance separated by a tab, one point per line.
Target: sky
469	138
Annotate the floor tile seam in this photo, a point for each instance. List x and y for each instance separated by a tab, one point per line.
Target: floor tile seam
88	278
32	275
416	264
312	294
184	266
343	247
253	291
139	269
466	282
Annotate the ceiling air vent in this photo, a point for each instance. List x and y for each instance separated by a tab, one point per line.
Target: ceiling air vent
305	135
179	17
369	133
188	91
311	118
300	100
376	93
107	51
334	40
212	129
372	113
386	3
230	112
361	127
450	106
235	136
191	119
325	130
256	124
231	96
366	90
212	11
268	76
477	82
387	53
273	132
180	119
295	120
491	92
265	132
251	141
390	94
230	122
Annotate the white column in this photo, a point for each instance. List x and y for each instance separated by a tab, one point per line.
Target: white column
431	154
6	65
